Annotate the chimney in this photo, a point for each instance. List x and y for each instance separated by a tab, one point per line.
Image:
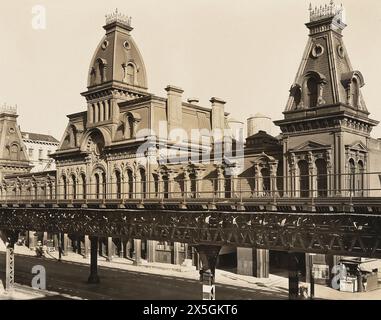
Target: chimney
218	113
174	107
193	100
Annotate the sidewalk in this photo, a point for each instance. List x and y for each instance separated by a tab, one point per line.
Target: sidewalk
274	284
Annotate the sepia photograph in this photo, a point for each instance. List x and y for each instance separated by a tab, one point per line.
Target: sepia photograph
190	150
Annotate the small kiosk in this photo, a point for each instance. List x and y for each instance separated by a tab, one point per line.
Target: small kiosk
361	274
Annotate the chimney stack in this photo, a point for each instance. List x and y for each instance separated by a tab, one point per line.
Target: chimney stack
218	113
193	100
174	107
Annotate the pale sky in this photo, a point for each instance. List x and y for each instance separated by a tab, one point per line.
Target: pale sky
244	51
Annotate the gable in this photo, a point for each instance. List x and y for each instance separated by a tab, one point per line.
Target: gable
357	146
310	145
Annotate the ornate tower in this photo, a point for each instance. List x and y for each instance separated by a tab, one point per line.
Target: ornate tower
326	126
117	73
13	157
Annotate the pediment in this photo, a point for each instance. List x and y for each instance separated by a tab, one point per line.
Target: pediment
359	146
262	156
310	145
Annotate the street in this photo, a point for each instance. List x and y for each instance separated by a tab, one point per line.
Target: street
71	278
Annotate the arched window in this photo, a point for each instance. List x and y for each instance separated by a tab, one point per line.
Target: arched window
130	74
156	184
102	70
352	177
118	185
131	124
165	187
193	185
265	172
228	186
50	190
64	187
74	187
296	92
104	185
84	186
321	170
304	184
130	184
143	188
97	185
14	152
355	93
312	92
360	178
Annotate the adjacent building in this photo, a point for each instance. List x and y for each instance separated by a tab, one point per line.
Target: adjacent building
39	148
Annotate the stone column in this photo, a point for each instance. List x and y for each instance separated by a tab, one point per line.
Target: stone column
176	253
64	239
330	176
208	256
151	250
186	184
273	179
31	240
312	175
94	278
137	252
87	246
235	190
309	273
253	262
101	111
171	184
138	186
90	109
257	182
160	186
294	186
220	182
110	248
44	238
121	251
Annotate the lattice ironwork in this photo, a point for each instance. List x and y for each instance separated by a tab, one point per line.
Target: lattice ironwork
334	233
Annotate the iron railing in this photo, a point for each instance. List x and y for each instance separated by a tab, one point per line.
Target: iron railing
355	185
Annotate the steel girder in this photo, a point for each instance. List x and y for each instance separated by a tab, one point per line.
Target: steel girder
345	234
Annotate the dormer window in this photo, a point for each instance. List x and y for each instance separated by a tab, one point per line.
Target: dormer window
352	82
131	122
99	71
312	87
129	73
355	92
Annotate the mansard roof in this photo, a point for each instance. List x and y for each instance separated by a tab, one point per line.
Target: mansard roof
39	137
326	84
116	52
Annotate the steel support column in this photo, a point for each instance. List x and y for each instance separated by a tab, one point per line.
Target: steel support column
208	256
293	276
93	278
11	239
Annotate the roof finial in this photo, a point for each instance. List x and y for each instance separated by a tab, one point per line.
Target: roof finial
118	17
